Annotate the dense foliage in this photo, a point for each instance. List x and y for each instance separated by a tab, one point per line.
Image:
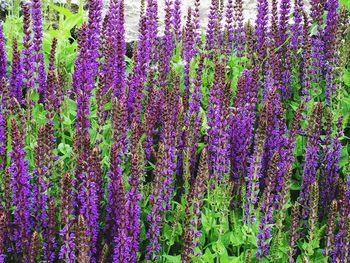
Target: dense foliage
227	144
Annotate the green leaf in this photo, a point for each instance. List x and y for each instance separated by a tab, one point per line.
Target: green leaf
219	248
75	20
172	259
294	186
345	3
62	10
236	239
108	106
346	77
65	149
344	158
208	256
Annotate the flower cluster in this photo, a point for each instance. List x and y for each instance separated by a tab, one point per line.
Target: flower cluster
227	144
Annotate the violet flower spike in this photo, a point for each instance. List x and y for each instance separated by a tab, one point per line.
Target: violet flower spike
297	27
329	40
39	65
239	37
311	158
21	191
3	58
27	52
254	171
119	85
133	196
261	28
176	20
16	76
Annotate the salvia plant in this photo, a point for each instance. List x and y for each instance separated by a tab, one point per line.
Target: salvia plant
227	143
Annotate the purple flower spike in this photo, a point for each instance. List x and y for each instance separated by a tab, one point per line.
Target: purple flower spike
134	196
261	28
27	53
21	191
229	26
317	10
329	40
3	59
297	27
94	30
218	131
117	216
311	158
330	164
212	23
177	19
239	37
163	188
254	171
67	250
39	65
119	89
243	123
3	139
16	77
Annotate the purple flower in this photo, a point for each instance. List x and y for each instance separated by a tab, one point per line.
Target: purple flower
40	186
119	89
52	84
162	190
151	48
176	21
21	191
117	214
229	26
294	232
311	158
3	59
254	170
218	131
239	37
330	164
3	139
261	28
193	209
196	23
317	41
276	139
82	241
297	27
305	59
133	196
193	119
78	66
67	250
188	53
243	123
116	192
85	83
94	30
27	52
38	56
212	23
3	233
168	45
15	87
329	40
285	50
150	116
50	232
88	198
